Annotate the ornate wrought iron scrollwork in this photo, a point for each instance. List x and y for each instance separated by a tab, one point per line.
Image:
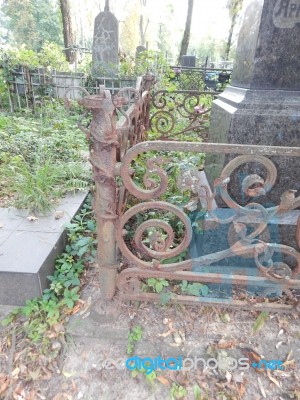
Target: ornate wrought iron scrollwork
254	243
162	245
181	108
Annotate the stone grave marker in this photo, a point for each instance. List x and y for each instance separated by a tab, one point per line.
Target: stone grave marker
106	43
262	104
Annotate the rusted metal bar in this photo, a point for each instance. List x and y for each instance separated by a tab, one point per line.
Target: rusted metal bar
105	139
104	143
129	286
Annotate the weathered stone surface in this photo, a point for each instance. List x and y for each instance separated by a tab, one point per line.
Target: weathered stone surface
105	44
262	104
28	250
269	46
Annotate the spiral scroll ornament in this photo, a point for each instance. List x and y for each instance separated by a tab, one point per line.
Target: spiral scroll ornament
160	240
253	184
278	272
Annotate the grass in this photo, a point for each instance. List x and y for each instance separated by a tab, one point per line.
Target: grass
41	158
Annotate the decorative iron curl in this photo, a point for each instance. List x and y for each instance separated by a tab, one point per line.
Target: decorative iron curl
222	182
274	270
162	249
163	121
253	152
185	109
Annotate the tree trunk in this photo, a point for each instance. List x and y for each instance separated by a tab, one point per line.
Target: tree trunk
143	31
67	30
187	31
142	36
234	7
228	45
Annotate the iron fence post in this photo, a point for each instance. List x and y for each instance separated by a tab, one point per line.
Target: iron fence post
103	136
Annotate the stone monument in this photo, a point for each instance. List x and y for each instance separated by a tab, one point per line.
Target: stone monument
106	43
262	104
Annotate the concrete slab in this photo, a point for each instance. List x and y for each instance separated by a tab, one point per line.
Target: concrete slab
28	250
9	219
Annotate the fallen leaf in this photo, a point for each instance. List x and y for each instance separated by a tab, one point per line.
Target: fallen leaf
163	380
85	315
4	383
254	357
241	389
228	376
225	344
58	214
75	309
177	338
260	321
289	363
67	374
166	334
261	388
297	394
15	372
225	318
32	218
272	379
170	331
289	356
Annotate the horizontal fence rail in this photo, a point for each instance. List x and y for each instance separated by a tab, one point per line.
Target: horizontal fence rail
155	204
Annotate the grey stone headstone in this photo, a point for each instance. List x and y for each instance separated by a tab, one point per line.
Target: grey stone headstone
105	44
262	105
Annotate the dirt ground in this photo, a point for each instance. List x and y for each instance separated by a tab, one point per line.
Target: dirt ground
99	331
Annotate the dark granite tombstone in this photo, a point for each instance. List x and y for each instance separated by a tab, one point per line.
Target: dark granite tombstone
106	43
262	105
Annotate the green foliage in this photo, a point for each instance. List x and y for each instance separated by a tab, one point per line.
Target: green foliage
177	392
39	315
197	392
41	157
134	336
195	288
260	321
33	22
210	47
157	285
50	56
149	376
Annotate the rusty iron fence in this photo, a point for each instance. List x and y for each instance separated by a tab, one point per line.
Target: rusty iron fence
155	236
200	78
176	113
29	88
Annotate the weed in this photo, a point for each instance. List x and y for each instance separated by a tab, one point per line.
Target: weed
150	377
157	285
177	392
134	336
195	288
41	157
